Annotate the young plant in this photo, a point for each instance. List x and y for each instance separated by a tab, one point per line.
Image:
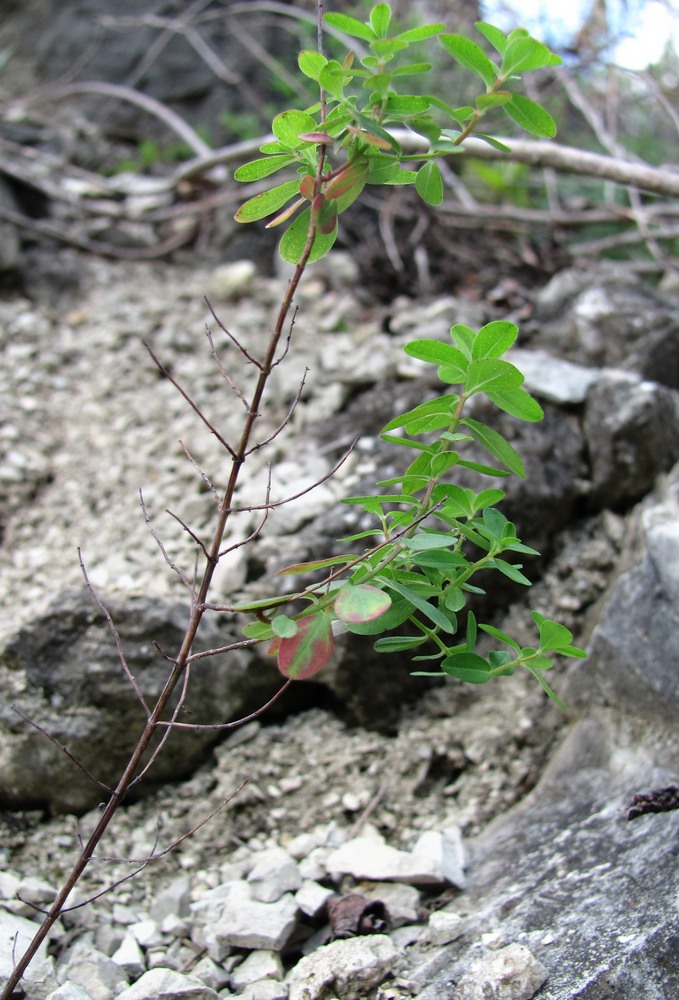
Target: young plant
431	536
416	573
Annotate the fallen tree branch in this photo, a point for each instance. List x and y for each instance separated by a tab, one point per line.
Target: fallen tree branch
565	159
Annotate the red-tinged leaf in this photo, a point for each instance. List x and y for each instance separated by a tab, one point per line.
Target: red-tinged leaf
320	137
355	173
323	215
285	214
309	650
306	187
309	567
372	140
360	604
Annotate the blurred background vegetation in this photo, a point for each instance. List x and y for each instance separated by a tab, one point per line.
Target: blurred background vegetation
224	68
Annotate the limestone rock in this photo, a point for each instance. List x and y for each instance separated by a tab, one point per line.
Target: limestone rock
166	984
345	968
512	973
369	858
62	671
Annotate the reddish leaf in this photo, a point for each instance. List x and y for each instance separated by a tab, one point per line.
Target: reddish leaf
309	650
320	137
360	604
306	187
353	175
323	215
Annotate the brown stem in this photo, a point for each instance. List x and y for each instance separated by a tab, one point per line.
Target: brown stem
238	456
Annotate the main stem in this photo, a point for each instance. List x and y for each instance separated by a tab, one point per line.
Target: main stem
197	612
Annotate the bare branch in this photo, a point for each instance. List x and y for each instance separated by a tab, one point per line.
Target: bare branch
189	400
149	104
173	566
188	530
565	159
272	504
116	636
64	749
232	725
244	352
225	375
284	423
203	475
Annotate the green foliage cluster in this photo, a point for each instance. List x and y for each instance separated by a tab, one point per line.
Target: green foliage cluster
410	589
353	128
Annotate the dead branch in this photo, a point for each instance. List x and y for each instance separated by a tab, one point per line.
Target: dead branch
64	749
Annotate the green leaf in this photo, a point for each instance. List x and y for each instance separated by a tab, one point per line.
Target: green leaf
433	613
512	572
429	184
386	48
258	630
385	139
267	202
284	627
437	353
486	102
492	35
442	559
546	687
295	237
360	604
494	339
523	53
288	125
468	667
516	402
440	404
464	337
405	105
469	55
500	636
380	18
497	446
485	470
490	374
531	116
265	603
256	169
400	610
553	636
398	643
421	33
411	69
310	567
309	649
311	63
350	26
333	78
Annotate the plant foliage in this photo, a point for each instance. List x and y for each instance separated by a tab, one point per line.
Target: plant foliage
431	537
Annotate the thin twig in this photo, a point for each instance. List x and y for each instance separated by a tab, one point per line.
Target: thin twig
203	475
194	406
246	354
284	423
116	636
272	504
64	749
166	556
225	375
189	532
220	726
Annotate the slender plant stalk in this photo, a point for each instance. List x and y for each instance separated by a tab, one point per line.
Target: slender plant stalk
199	607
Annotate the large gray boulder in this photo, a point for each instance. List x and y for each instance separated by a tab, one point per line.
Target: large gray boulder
61	671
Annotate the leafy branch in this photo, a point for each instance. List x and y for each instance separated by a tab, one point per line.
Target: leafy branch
431	537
